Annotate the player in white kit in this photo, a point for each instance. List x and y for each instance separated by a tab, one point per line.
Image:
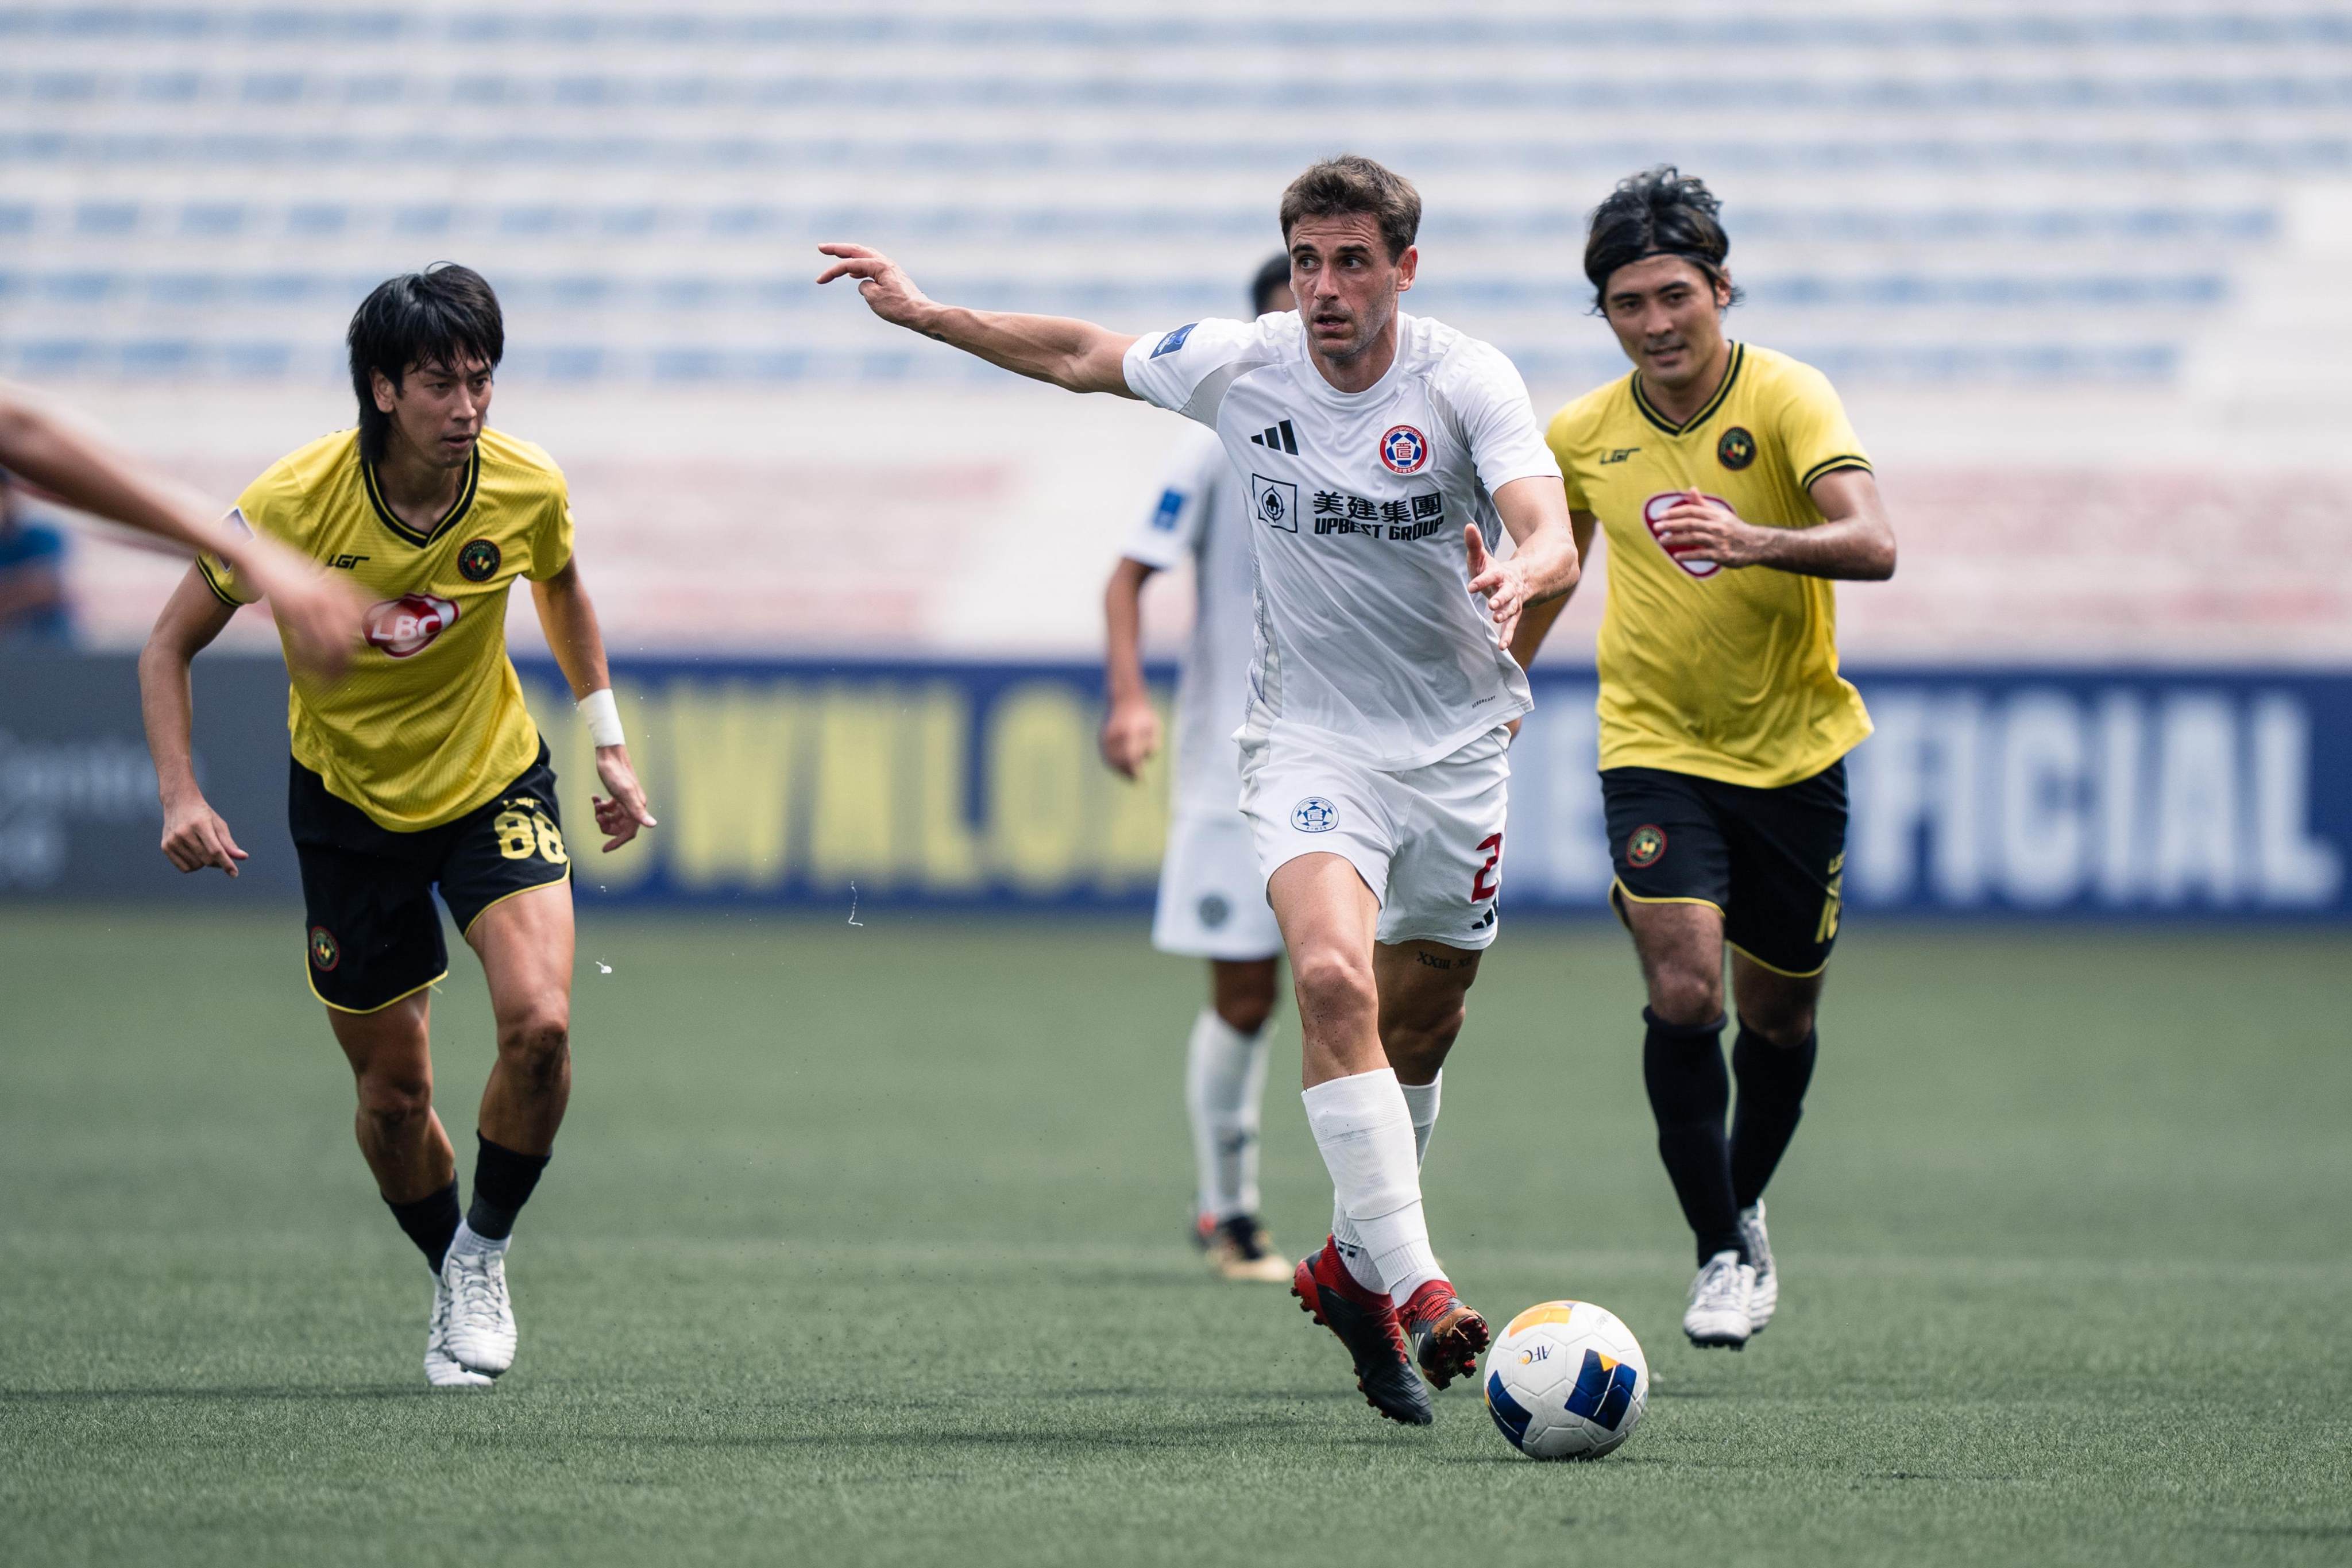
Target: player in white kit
1212	899
1385	456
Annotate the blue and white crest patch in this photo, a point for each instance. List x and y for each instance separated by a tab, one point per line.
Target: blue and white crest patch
1175	340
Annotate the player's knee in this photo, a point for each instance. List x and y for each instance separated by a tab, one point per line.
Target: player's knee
1246	1015
1686	995
1245	1001
1334	984
394	1103
538	1043
1786	1024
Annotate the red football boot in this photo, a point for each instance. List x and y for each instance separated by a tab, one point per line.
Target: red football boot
1367	1324
1448	1337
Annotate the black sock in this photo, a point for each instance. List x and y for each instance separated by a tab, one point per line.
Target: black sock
502	1183
1689	1092
430	1221
1772	1080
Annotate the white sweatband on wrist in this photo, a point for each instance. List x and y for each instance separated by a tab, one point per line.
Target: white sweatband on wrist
603	715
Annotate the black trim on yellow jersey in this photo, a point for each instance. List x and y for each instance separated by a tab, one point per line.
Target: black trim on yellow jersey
1831	465
223	594
458	509
1730	374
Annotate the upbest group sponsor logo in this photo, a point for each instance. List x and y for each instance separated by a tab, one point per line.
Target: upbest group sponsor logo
407	625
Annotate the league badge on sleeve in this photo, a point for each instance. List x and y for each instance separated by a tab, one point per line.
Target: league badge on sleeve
1174	341
1403	450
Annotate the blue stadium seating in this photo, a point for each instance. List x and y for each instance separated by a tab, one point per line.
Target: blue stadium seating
2067	193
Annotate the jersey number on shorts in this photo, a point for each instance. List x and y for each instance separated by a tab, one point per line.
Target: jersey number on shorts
522	834
1483	885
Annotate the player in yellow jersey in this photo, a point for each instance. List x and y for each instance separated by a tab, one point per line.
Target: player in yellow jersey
1732	491
421	769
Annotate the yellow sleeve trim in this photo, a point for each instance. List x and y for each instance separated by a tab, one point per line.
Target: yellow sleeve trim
1831	465
223	594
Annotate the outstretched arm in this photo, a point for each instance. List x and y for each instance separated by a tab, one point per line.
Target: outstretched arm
195	837
1076	355
1537	623
568	619
1545	564
1854	541
81	469
1130	731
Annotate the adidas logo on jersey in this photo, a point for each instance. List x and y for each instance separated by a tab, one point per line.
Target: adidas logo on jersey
1277	436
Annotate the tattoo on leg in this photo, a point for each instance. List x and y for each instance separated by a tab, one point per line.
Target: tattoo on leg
1432	961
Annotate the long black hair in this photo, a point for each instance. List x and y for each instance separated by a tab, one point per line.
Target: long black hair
442	316
1658	212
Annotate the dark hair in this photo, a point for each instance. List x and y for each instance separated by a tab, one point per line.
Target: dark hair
1349	183
441	316
1273	274
1658	212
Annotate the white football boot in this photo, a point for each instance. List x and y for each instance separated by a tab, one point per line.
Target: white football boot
441	1368
481	1332
1767	1294
1718	1303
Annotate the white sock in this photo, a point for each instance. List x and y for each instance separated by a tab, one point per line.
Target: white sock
465	1241
1365	1133
1224	1082
1420	1104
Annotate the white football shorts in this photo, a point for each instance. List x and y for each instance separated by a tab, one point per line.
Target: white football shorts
1212	899
1427	841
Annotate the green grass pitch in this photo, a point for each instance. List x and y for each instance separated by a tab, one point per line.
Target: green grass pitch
863	1246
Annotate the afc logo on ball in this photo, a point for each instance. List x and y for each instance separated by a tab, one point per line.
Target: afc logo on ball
1403	449
1315	814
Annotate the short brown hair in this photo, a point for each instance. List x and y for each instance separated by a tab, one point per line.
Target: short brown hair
1350	183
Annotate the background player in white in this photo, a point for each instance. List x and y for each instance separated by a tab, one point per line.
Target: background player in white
1386	456
1212	899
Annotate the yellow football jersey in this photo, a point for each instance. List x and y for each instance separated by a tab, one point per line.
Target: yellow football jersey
1730	675
429	722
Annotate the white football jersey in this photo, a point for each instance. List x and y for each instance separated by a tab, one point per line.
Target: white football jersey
1202	513
1368	640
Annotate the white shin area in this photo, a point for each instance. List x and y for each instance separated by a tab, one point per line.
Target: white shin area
1224	1085
1364	1128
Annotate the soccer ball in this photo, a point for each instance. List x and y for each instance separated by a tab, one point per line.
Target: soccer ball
1567	1381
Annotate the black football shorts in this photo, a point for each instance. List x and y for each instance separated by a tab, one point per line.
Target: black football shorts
373	933
1772	860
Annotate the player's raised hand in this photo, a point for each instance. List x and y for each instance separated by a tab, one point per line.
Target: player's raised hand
620	816
195	837
1131	735
319	613
1700	527
887	288
1499	581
